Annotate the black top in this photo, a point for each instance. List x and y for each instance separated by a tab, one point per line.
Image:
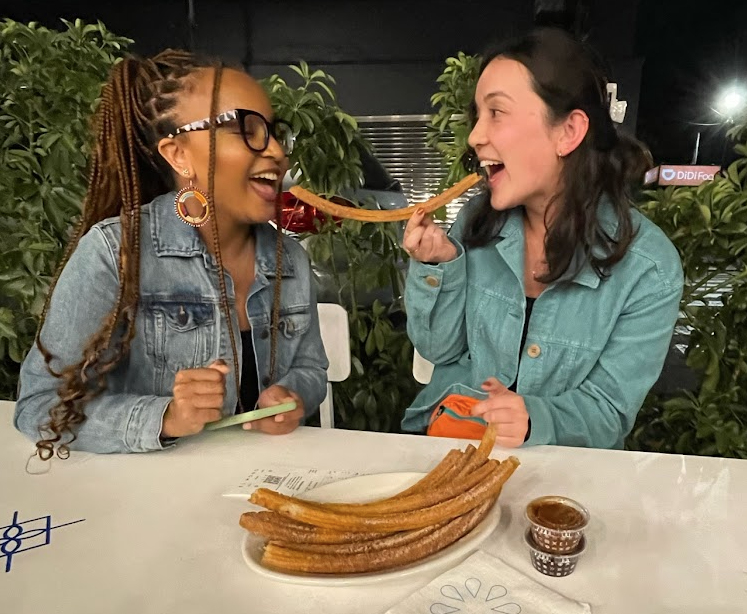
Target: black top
527	316
249	382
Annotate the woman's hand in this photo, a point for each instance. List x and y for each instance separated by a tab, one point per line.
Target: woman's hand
198	399
281	423
425	241
506	410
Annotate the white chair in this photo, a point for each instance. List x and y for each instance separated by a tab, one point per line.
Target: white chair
422	370
333	322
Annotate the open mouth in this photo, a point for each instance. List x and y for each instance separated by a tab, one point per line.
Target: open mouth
267	178
491	168
266	184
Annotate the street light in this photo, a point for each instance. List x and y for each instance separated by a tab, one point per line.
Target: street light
731	102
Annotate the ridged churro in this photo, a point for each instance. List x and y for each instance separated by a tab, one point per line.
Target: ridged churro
419	500
287	559
395	215
273	526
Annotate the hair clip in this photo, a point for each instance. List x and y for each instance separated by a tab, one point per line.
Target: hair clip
617	107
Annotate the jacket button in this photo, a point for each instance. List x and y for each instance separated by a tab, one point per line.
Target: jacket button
534	350
264	334
266	381
432	281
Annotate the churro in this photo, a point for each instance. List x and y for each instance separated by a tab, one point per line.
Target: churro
390	541
273	526
375	215
286	559
419	500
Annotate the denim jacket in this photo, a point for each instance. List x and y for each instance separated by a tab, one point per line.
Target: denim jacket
593	349
179	325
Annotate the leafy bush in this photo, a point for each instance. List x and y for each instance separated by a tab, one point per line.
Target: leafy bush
51	82
326	154
450	125
708	226
381	384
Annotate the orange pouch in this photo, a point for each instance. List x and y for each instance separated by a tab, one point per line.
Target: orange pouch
453	418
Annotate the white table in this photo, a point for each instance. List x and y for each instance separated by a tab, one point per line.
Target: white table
668	533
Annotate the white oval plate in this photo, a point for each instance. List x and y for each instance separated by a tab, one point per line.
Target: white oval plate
358	490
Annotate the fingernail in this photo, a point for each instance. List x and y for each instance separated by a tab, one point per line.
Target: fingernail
420	211
280	418
247	426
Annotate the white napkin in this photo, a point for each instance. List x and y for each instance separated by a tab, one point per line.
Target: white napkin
483	584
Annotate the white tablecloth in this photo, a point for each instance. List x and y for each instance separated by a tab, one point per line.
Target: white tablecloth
668	533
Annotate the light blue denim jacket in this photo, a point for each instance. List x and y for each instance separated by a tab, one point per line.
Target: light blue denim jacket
593	349
179	325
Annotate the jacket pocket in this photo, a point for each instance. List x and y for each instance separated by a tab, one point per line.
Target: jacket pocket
293	324
180	335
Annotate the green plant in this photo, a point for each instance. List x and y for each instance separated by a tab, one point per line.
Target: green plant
380	385
708	226
361	257
327	153
455	95
51	82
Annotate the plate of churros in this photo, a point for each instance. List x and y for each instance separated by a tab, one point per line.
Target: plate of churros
375	528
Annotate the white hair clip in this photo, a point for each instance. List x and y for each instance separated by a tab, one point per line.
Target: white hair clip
617	107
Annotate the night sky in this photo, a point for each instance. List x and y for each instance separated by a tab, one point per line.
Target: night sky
692	50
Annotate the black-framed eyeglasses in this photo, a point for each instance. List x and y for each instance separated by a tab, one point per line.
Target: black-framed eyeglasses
254	129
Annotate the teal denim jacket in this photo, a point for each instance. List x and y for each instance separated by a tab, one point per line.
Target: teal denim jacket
594	347
179	325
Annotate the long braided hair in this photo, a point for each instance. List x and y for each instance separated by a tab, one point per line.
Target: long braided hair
136	110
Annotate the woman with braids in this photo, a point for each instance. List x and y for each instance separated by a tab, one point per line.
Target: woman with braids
552	300
176	302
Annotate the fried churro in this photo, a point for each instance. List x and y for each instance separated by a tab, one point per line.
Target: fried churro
273	526
419	500
286	559
395	215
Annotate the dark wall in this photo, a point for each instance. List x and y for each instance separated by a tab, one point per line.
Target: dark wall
384	54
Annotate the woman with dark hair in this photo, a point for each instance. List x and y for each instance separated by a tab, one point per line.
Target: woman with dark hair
173	269
551	300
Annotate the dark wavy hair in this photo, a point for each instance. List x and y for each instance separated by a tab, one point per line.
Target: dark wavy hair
567	75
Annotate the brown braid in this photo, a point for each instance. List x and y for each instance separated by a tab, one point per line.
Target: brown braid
275	326
136	110
214	227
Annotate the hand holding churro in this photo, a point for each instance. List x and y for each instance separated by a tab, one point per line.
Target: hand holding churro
426	241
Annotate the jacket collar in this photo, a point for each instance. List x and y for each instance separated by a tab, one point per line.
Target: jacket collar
511	242
172	237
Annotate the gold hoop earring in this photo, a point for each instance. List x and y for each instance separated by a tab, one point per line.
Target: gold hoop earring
182	196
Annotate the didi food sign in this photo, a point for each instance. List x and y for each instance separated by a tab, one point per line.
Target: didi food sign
681	175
